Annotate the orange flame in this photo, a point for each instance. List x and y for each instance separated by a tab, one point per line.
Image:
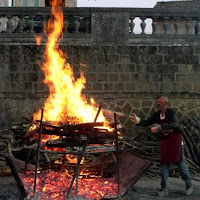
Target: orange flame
65	98
38	39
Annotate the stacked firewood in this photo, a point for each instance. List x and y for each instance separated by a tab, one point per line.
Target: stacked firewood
6	138
143	143
147	145
72	137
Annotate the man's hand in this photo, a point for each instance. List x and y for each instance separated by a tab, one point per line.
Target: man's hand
135	119
156	128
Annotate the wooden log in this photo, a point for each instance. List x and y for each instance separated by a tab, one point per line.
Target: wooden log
187	152
190	147
193	172
82	126
192	163
195	129
34	146
111	113
197	133
97	133
196	122
153	143
189	134
153	172
30	133
195	146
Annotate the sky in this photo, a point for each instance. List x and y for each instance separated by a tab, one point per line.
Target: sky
118	3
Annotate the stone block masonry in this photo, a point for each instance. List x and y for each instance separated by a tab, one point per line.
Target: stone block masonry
125	78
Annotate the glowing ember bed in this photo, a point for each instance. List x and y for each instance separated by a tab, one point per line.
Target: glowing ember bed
53	184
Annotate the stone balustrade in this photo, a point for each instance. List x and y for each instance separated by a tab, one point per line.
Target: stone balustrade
103	25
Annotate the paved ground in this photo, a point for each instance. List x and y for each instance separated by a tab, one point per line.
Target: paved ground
144	189
147	188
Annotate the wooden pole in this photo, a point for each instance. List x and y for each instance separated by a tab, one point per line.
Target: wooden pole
38	149
81	156
117	152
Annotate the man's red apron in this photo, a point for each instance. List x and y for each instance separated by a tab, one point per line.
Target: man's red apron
171	149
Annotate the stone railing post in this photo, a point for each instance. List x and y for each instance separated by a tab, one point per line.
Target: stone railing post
87	24
177	25
20	24
143	24
44	23
154	25
9	24
32	24
77	24
131	25
198	26
189	26
166	26
66	24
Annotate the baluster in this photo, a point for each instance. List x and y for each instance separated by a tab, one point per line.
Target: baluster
193	24
155	25
20	24
177	25
32	24
198	26
87	24
189	26
9	24
44	23
166	26
143	24
77	24
131	25
66	24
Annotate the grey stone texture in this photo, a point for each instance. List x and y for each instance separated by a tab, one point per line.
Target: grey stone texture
124	78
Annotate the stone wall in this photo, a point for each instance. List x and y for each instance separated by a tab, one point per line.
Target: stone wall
125	78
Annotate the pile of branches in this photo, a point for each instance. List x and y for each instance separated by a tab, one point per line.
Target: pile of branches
147	146
143	143
73	137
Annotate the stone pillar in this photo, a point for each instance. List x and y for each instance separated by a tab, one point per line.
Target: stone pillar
110	28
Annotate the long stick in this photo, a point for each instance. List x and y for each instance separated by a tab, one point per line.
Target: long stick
81	156
117	149
77	178
15	175
111	112
38	148
140	132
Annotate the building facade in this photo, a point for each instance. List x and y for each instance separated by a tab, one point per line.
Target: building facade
33	3
4	3
42	3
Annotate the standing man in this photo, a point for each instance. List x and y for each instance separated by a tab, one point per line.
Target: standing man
165	121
